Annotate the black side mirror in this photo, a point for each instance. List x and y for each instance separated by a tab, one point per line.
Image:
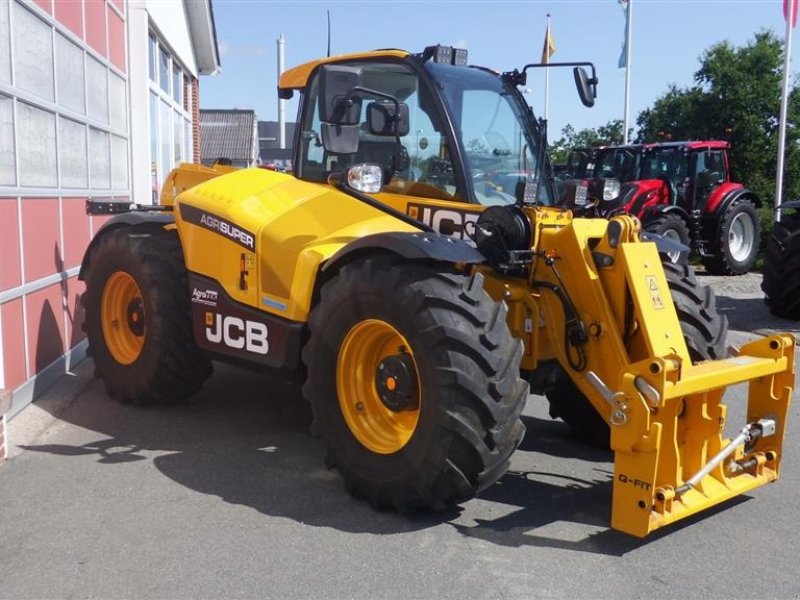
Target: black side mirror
336	105
382	117
587	87
339	111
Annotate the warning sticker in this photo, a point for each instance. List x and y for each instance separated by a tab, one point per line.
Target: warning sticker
655	292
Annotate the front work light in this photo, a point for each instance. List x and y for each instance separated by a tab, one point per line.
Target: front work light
365	177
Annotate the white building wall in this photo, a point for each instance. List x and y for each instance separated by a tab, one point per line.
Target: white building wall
169	19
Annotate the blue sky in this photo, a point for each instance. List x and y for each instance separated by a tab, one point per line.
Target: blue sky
669	36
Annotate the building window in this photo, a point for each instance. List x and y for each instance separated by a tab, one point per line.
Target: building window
7	162
37	146
163	69
152	50
170	114
99	154
119	162
177	84
70	76
72	153
98	90
33	53
5	40
118	107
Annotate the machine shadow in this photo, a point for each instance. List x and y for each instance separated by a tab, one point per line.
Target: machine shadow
244	439
563	511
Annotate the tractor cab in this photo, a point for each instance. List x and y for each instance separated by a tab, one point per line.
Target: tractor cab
422	128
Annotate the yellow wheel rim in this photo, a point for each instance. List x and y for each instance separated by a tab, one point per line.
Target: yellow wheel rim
122	313
366	347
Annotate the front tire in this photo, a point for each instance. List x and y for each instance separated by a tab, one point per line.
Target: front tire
734	252
705	332
138	319
413	378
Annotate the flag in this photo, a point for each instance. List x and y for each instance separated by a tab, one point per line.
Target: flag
794	11
623	58
549	47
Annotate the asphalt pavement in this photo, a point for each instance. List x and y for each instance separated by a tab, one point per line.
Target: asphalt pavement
228	497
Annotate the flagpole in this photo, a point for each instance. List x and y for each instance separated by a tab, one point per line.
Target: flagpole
628	31
787	59
547	73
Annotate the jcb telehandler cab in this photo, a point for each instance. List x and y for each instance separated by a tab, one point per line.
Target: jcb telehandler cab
414	269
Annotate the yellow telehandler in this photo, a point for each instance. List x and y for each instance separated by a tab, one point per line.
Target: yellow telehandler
415	270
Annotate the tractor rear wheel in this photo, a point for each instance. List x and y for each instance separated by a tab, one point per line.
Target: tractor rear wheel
781	279
735	250
413	379
138	319
704	330
673	228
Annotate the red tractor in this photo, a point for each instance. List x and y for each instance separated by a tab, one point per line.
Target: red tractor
682	191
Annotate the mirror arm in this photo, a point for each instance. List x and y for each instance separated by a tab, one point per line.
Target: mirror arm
592	81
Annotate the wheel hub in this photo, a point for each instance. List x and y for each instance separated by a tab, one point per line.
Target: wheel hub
395	379
135	313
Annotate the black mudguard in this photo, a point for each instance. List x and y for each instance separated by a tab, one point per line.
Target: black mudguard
409	245
131	219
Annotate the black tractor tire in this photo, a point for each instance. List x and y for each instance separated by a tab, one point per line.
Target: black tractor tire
168	367
674	228
781	278
736	248
470	394
704	330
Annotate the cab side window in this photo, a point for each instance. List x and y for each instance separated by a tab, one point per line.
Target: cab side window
427	167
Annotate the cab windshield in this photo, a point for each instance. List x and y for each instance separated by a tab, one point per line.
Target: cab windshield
501	143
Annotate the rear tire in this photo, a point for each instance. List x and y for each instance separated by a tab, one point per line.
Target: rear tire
138	319
675	229
704	330
456	434
735	251
781	279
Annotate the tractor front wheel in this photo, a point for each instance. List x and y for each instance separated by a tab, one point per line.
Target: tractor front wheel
735	250
413	379
673	228
138	319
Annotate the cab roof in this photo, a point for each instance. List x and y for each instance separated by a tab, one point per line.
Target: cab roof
297	77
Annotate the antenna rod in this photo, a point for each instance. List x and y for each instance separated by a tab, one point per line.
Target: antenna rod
329	32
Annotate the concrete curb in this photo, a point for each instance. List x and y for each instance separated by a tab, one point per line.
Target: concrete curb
35	420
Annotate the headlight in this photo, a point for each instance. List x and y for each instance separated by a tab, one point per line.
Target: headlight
365	177
611	189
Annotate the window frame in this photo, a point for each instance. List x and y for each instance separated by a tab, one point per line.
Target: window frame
180	105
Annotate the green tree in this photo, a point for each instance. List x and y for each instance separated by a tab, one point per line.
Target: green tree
610	133
735	96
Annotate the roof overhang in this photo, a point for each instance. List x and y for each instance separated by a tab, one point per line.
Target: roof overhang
200	15
297	77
